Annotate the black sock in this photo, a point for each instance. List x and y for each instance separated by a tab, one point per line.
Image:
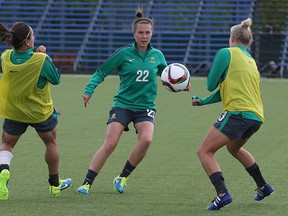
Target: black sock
4	166
90	177
127	170
217	180
54	180
255	172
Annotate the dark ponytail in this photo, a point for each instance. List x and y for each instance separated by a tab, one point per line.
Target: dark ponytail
16	36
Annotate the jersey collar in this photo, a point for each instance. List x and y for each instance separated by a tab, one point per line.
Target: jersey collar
29	52
135	48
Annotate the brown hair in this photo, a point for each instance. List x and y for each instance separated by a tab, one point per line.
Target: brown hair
16	36
243	33
141	19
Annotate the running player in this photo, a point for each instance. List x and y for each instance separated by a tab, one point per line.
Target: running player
236	74
138	65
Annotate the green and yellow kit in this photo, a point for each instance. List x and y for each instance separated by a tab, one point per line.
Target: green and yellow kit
25	86
235	72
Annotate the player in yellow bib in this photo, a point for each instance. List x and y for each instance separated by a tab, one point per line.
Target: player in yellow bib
25	100
235	72
20	99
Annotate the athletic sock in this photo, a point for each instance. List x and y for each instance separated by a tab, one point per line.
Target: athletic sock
90	177
54	180
4	166
255	172
217	180
6	157
127	170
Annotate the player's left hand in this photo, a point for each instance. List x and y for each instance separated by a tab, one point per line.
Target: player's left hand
188	87
196	100
41	48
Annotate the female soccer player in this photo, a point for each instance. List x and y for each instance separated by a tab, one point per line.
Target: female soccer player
25	100
236	73
138	65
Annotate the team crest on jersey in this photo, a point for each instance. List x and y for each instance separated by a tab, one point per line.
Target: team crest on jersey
152	60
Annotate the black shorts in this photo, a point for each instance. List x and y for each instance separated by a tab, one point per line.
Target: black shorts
236	127
125	116
18	128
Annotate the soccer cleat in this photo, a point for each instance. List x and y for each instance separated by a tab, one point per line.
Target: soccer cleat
4	178
263	192
219	202
120	183
84	189
55	191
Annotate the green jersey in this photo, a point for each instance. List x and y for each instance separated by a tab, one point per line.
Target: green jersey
218	74
138	76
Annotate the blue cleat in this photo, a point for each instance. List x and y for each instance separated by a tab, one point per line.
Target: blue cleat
220	202
263	192
120	183
84	189
55	191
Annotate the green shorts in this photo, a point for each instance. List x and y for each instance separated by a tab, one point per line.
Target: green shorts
236	127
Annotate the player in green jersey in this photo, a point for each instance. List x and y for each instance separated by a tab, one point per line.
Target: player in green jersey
138	65
25	100
236	74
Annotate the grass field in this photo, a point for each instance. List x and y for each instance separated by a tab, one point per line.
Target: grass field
170	181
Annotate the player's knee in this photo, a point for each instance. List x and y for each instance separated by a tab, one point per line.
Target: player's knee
108	148
199	153
203	153
145	143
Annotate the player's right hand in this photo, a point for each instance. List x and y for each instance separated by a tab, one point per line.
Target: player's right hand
196	100
41	48
86	99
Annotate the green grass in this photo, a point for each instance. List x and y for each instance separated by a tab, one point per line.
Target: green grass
170	180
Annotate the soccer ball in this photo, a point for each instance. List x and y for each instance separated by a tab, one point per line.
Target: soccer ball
175	77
